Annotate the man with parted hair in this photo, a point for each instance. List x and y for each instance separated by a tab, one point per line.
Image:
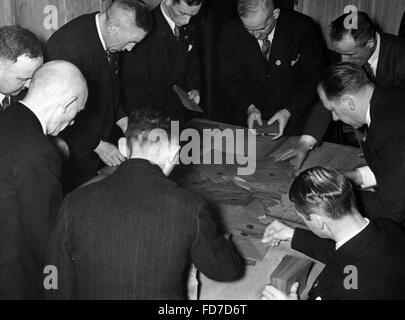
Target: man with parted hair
134	234
381	55
30	190
364	259
92	42
169	56
20	56
347	92
270	62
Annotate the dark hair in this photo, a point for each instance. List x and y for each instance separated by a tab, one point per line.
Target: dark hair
247	7
145	120
365	30
343	78
143	16
190	2
323	188
16	41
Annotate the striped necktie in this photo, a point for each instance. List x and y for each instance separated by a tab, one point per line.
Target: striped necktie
369	70
266	47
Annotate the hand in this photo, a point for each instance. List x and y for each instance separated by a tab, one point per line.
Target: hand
277	232
283	116
355	177
123	124
295	149
254	115
109	154
195	96
271	293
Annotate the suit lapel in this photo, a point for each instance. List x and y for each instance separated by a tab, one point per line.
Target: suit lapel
382	60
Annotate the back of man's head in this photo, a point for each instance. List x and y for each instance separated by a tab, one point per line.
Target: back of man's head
248	7
137	13
357	24
324	190
343	78
16	41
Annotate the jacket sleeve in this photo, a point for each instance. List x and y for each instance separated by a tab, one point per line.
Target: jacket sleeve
318	122
212	254
311	63
59	255
388	201
231	82
312	246
81	144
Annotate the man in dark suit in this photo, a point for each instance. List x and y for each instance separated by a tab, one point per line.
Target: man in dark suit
20	56
270	62
364	259
381	55
92	43
169	56
351	97
134	234
30	192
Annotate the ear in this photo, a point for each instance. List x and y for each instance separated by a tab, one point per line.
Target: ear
349	102
68	103
317	221
113	27
371	43
168	2
276	13
123	147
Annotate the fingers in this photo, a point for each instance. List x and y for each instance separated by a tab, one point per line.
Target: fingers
254	117
272	293
286	155
294	288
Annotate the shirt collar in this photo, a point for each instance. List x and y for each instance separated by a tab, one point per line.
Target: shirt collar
2	96
368	116
100	35
270	37
43	125
340	243
373	61
169	21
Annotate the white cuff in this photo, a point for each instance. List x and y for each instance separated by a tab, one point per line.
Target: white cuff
369	179
308	140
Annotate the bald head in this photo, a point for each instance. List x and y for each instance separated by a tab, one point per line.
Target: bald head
58	91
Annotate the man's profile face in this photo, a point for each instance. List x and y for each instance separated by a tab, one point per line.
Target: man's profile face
350	51
126	37
181	12
16	76
340	110
261	23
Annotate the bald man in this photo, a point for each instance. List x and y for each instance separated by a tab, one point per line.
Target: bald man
30	192
92	43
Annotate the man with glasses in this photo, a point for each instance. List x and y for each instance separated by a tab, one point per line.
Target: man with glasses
270	62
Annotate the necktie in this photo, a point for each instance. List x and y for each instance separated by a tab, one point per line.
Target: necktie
112	61
266	47
369	70
5	103
176	32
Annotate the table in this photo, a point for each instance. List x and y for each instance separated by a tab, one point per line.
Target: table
244	205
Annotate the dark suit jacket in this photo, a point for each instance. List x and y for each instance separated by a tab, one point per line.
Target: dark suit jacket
30	195
132	236
78	42
288	80
158	63
385	154
390	73
376	253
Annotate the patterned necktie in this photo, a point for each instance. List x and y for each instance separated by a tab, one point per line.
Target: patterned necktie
266	47
369	70
5	103
112	61
176	32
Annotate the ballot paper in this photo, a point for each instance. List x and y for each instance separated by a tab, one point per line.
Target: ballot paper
267	130
186	101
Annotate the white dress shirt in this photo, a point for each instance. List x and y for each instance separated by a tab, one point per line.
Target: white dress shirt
169	21
373	61
100	35
2	96
270	37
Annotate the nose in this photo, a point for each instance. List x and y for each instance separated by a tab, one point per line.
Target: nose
27	83
187	19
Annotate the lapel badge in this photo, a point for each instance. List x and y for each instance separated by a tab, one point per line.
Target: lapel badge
278	63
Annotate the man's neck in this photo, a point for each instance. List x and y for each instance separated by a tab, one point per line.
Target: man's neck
348	226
